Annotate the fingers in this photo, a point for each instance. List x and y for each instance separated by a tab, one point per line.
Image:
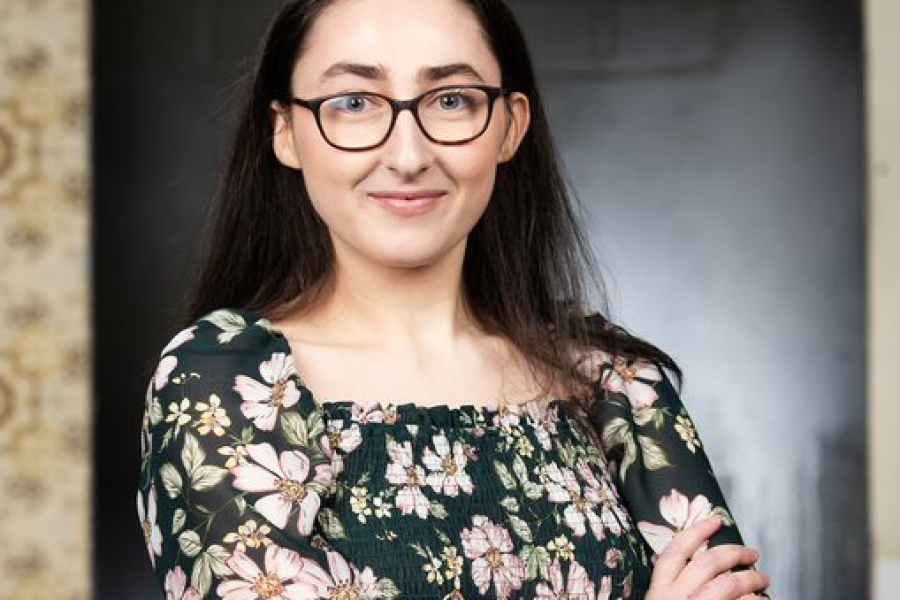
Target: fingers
727	586
706	566
682	547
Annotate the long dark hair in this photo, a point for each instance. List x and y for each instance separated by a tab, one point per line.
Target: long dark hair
526	259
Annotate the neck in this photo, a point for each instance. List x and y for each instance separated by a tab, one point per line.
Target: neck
382	303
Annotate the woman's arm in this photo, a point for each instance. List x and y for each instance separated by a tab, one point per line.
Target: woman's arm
234	468
666	480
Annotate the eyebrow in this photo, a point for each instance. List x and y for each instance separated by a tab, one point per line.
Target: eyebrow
432	74
379	73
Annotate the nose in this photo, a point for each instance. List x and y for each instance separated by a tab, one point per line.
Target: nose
407	151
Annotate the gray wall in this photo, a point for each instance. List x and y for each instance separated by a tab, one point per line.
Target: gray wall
716	147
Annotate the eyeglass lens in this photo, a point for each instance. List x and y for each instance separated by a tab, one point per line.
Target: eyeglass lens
360	120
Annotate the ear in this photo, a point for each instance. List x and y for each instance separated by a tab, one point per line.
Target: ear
283	137
519	110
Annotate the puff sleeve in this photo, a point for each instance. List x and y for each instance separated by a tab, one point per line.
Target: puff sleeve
234	468
661	469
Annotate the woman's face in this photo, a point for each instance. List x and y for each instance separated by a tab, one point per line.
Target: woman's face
410	202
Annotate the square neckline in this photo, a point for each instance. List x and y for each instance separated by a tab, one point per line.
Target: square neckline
409	411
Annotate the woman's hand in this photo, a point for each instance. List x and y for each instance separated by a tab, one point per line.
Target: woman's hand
682	571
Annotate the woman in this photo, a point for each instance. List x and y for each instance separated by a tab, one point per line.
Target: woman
397	404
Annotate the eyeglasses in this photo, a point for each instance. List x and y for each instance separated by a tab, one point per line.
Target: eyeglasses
447	115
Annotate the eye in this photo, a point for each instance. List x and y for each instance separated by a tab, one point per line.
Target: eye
452	101
351	103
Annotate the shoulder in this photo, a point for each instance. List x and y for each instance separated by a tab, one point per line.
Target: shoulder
219	344
613	361
223	331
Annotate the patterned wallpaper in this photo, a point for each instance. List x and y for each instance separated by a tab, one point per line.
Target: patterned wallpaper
45	408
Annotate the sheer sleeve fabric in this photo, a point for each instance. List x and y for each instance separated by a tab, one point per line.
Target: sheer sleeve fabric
235	464
661	468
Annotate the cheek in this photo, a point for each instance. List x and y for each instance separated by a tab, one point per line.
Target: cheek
475	171
328	171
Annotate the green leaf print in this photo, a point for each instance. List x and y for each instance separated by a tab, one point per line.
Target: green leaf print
167	439
331	524
206	477
615	433
654	456
567	453
520	469
723	514
505	476
510	504
387	589
659	418
293	425
155	412
445	539
201	575
644	415
618	433
178	520
192	455
315	425
216	556
437	510
533	491
241	505
231	324
537	562
189	542
521	528
171	479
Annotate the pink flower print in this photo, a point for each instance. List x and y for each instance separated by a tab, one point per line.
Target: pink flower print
507	416
558	482
447	467
605	590
613	558
680	514
286	577
576	587
337	437
346	439
182	337
543	420
623	379
342	580
591	363
152	533
288	477
562	486
612	514
403	471
163	370
490	547
176	586
372	413
262	402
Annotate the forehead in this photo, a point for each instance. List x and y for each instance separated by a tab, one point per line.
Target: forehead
401	36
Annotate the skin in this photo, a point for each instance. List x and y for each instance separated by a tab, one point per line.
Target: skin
395	316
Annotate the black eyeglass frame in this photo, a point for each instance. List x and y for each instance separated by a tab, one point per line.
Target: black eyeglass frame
314	105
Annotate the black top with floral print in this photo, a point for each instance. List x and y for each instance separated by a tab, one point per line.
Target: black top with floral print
250	489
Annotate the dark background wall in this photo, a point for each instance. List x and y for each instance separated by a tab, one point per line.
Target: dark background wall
716	147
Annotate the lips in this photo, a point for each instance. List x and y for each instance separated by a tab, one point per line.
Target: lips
408	203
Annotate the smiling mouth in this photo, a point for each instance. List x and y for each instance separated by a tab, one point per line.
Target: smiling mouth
408	203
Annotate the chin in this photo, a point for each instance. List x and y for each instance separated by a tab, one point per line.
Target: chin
413	255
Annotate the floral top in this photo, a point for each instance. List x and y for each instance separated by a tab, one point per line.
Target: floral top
249	489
